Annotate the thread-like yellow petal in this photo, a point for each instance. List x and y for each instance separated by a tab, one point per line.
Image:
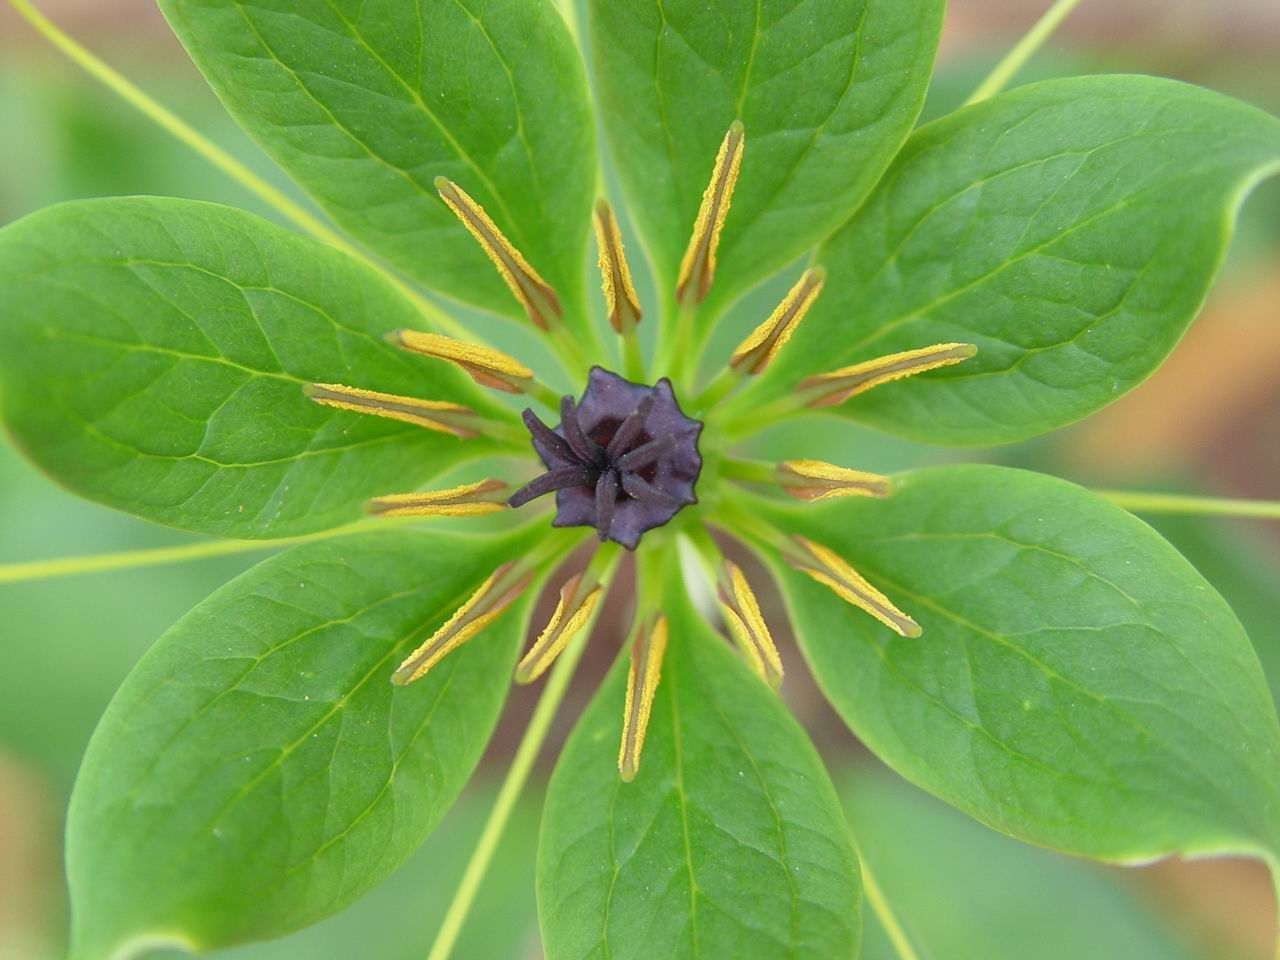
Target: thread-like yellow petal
485	605
484	365
467	500
431	414
831	570
747	624
620	298
818	480
754	354
533	293
573	612
836	387
698	266
642	683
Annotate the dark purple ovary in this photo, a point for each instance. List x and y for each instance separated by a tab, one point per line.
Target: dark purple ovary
624	459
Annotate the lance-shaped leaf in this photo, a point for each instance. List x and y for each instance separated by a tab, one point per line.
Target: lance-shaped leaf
153	355
366	103
1070	229
1077	683
728	843
827	90
258	770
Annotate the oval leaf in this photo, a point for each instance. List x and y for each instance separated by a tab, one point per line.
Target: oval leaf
366	103
1069	229
257	770
730	841
153	355
827	90
1077	684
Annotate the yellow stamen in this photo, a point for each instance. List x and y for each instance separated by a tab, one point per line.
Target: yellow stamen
839	385
431	414
468	500
698	266
757	351
484	365
746	623
816	480
642	683
829	569
485	605
533	293
573	611
615	277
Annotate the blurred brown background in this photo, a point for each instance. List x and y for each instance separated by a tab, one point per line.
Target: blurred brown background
1208	422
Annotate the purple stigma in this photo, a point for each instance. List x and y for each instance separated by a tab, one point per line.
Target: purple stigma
624	459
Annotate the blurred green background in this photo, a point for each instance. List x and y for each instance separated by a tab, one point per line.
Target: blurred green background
1209	422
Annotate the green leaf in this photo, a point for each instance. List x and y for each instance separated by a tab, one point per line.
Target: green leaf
257	770
365	104
729	842
966	893
1077	684
826	89
153	354
1070	229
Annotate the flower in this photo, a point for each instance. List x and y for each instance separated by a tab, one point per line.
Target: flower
624	457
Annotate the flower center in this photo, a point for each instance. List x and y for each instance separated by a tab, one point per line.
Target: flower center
624	459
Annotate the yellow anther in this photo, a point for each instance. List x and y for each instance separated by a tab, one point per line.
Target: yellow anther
829	569
757	351
485	605
573	611
484	365
615	277
468	500
698	266
642	683
746	623
534	294
829	389
432	414
817	480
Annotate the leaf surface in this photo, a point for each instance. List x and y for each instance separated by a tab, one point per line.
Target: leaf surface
966	893
1078	684
258	771
1070	229
729	842
366	103
827	90
153	355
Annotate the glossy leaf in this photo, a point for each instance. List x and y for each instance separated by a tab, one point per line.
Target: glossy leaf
966	893
258	771
1070	229
365	104
826	89
153	355
1077	684
729	842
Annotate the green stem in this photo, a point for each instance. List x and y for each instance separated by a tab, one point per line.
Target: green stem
530	744
158	556
720	387
742	423
884	913
1140	501
223	161
752	471
632	357
1022	51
